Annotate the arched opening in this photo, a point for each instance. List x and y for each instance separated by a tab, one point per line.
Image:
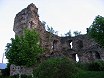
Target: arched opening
79	44
70	44
97	55
90	56
55	45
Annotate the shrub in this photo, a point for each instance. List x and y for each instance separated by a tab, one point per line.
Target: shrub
56	68
96	66
92	66
82	66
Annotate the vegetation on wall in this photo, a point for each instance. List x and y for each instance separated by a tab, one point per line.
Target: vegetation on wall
49	29
68	33
76	33
25	49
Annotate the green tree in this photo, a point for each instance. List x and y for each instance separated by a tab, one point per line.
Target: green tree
96	30
25	49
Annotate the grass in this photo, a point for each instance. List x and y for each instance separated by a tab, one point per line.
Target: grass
82	74
5	77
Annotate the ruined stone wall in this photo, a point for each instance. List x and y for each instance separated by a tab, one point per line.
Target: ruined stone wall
81	45
66	43
86	48
22	70
82	42
29	18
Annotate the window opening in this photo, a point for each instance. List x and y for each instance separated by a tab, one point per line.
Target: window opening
77	58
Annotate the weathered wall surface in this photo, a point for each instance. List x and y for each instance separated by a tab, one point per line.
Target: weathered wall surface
87	49
29	18
14	70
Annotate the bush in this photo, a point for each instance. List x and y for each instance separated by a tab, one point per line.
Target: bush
96	66
82	66
92	66
56	68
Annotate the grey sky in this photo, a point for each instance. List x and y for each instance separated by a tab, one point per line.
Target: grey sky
62	15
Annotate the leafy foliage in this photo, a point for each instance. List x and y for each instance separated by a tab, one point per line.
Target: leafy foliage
56	68
96	30
82	66
24	49
96	66
51	30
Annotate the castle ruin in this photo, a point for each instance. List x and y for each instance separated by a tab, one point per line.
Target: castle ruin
86	48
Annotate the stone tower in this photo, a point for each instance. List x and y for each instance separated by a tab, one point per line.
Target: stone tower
29	18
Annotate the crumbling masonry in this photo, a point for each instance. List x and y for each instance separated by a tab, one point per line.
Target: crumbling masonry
86	48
